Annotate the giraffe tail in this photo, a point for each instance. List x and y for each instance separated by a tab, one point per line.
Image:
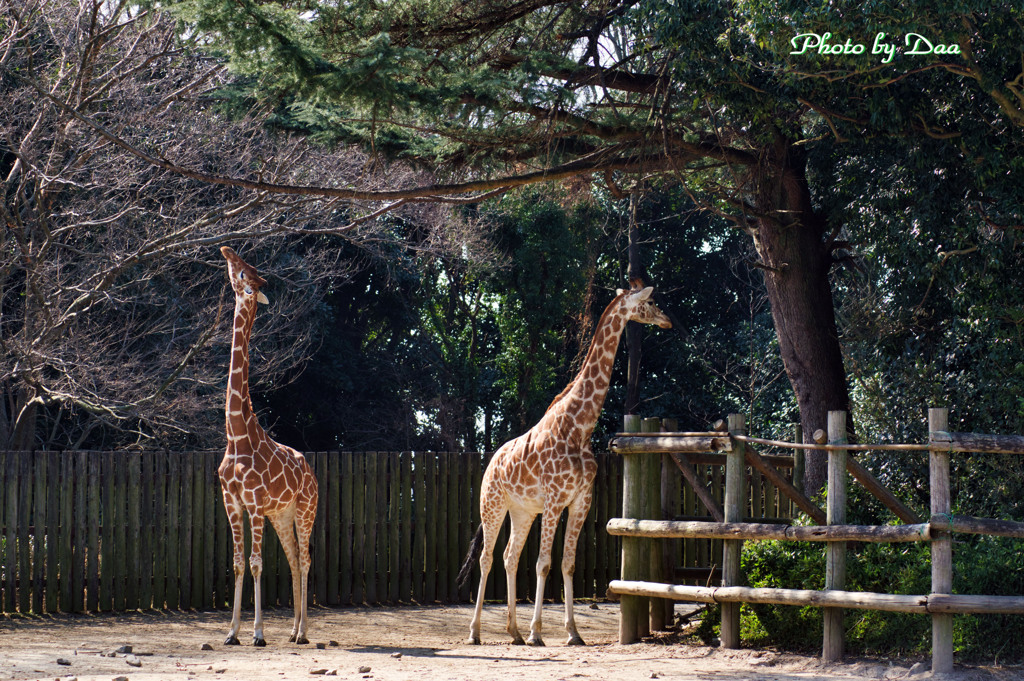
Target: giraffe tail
472	557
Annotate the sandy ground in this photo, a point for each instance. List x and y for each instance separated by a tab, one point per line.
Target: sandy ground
398	644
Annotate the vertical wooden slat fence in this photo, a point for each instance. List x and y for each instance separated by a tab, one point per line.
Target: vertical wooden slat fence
109	531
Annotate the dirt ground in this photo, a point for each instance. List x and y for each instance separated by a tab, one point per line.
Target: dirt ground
399	644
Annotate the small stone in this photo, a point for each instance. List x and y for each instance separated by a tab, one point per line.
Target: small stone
220	671
133	661
319	671
124	650
321	646
206	646
397	656
333	672
64	661
654	675
593	606
119	678
334	644
364	670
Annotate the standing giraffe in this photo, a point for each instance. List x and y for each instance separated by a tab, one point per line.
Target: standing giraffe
549	468
266	479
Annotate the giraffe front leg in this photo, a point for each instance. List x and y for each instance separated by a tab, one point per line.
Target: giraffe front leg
522	521
256	567
548	522
234	512
573	525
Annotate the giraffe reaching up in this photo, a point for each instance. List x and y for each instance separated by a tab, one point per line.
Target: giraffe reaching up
549	468
260	476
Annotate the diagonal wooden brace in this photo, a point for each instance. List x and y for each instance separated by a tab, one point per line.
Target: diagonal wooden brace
688	471
806	505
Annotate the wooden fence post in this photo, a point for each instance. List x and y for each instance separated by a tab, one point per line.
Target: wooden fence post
942	544
735	498
632	609
835	568
671	493
652	498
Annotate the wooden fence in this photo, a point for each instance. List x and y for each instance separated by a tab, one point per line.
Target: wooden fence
102	531
640	571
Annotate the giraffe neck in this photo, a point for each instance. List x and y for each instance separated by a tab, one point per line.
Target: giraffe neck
584	397
239	420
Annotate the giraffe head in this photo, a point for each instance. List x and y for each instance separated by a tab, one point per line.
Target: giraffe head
640	308
245	281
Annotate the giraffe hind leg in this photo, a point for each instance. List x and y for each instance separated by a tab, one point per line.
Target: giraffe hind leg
284	525
490	524
304	518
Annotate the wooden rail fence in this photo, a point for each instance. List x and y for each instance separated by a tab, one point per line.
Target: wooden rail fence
101	531
636	585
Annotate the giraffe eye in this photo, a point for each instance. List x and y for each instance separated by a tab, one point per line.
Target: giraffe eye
241	275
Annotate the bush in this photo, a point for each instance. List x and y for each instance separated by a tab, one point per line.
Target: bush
982	565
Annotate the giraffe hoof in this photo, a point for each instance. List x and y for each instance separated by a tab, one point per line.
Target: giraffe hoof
575	641
259	641
535	641
473	641
232	641
300	640
517	640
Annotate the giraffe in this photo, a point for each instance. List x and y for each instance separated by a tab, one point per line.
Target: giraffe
257	475
549	468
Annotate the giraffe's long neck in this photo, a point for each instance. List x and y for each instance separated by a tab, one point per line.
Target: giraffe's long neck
239	420
584	397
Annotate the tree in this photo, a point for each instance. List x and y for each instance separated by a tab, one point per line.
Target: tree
114	325
705	92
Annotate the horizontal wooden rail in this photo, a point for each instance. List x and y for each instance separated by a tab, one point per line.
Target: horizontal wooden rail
980	443
668	443
890	447
971	525
922	604
628	527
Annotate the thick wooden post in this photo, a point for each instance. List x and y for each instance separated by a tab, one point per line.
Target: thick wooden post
632	609
671	492
735	497
835	568
942	544
652	498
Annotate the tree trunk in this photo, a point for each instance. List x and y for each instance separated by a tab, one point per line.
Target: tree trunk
796	254
22	426
633	331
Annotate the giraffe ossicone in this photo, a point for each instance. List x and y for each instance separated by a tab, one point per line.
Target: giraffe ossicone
261	477
550	468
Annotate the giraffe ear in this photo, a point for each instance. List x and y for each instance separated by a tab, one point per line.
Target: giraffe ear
260	298
646	293
619	291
